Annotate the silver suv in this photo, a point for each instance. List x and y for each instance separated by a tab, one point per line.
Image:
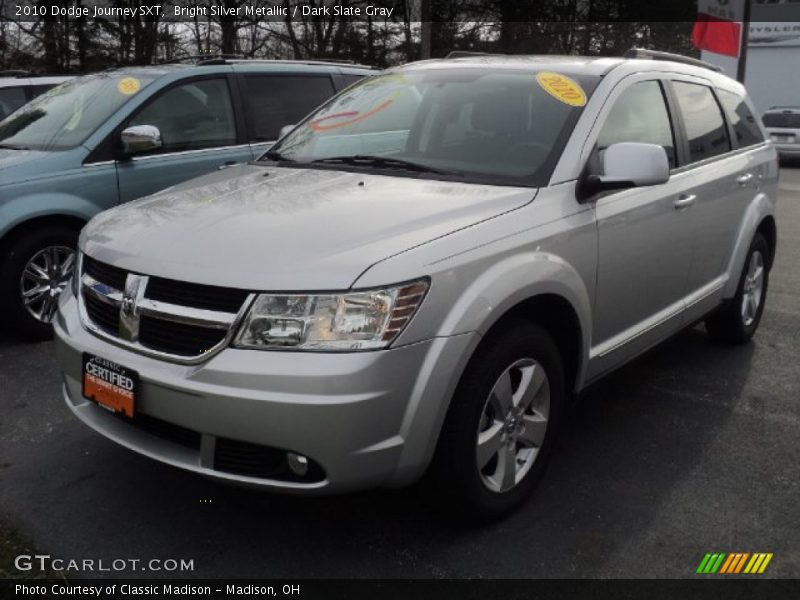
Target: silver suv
419	275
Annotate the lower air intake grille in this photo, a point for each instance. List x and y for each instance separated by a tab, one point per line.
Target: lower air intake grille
167	431
254	460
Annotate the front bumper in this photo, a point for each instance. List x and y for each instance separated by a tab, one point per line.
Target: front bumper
367	419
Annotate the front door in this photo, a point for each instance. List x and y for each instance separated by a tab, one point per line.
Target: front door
198	132
644	238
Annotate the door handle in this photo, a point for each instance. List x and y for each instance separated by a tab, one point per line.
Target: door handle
685	201
227	165
744	179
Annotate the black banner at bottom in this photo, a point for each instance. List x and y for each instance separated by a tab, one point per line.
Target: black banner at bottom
387	589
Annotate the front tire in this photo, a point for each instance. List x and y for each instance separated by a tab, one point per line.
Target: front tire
502	423
737	321
33	274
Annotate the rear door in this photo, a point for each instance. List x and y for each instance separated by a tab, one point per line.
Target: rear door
200	131
273	100
644	234
720	176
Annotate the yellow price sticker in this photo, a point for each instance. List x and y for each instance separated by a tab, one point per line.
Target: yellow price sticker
128	86
562	88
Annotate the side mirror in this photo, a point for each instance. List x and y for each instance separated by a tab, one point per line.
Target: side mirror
140	138
285	130
631	164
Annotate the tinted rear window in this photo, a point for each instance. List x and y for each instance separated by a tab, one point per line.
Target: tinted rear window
786	120
744	123
274	101
351	79
11	98
705	126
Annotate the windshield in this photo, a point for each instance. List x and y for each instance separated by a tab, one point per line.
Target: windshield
66	115
473	124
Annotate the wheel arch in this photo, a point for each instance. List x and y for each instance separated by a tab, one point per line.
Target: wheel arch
769	230
19	229
553	296
759	217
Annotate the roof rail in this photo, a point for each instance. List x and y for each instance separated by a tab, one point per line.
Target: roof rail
310	61
201	58
467	53
679	58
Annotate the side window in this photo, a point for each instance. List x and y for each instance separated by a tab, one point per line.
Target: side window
37	90
195	115
274	101
640	115
702	117
11	98
349	79
744	123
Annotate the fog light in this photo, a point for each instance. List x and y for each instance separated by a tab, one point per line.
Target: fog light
297	463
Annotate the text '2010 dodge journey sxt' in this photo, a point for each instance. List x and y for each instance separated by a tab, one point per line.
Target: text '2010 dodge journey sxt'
419	275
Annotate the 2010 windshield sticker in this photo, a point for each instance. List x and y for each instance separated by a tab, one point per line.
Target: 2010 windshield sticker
562	88
128	86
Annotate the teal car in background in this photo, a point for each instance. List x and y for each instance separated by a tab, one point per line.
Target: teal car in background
111	137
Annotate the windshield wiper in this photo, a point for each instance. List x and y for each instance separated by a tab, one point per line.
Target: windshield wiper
13	146
276	156
381	161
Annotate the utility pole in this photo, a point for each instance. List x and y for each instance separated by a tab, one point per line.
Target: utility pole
741	68
425	17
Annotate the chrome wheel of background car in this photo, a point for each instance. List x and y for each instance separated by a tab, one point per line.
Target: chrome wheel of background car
43	279
513	425
753	286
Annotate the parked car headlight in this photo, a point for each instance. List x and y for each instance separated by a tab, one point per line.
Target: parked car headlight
362	320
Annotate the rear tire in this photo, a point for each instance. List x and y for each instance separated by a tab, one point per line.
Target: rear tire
737	320
505	414
37	266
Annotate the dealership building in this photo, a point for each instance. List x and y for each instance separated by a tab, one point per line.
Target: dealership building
773	57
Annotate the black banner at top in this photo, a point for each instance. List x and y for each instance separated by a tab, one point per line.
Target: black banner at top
465	11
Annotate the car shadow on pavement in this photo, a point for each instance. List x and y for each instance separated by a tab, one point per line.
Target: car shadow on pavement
629	443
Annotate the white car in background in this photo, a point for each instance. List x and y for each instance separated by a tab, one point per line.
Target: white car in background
783	127
20	87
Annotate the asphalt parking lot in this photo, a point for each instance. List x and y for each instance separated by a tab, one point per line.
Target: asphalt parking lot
693	448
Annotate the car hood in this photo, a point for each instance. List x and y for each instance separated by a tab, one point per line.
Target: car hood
272	228
11	159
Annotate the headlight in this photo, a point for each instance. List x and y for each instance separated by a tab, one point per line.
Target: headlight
363	320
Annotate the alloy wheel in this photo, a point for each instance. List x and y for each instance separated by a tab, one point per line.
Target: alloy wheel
43	279
513	425
752	288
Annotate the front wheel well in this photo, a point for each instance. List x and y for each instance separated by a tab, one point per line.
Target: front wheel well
19	230
555	315
768	229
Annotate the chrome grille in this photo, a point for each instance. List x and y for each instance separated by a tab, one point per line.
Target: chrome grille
180	321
